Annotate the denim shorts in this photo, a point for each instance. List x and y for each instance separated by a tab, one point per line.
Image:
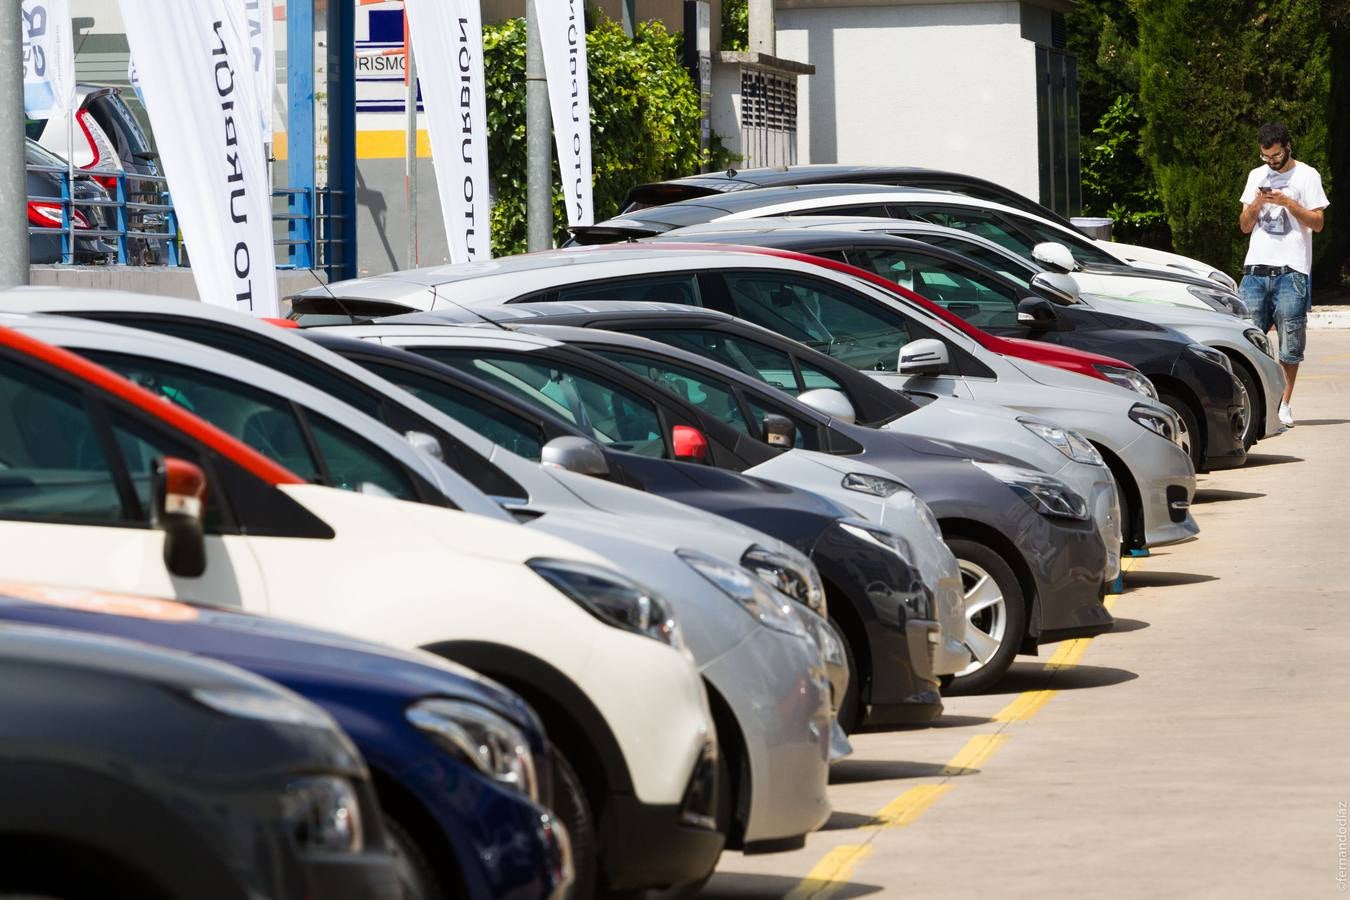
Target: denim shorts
1282	301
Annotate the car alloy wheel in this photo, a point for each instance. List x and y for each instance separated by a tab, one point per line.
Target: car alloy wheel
986	615
996	614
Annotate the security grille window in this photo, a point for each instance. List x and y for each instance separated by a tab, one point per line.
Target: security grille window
768	118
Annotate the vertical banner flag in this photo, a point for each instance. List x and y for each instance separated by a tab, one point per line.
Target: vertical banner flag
447	38
562	31
196	75
48	59
263	54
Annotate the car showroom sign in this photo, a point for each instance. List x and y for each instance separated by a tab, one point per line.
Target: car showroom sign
562	33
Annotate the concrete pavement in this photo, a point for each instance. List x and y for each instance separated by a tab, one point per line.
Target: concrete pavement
1202	749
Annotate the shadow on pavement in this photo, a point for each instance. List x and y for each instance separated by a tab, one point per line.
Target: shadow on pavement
1125	626
861	771
746	886
1214	495
1165	579
1323	422
1269	459
846	821
1036	677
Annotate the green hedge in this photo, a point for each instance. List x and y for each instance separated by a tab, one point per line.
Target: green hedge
645	120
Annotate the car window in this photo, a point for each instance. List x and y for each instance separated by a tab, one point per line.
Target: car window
117	121
852	328
750	357
813	378
598	407
982	254
52	463
804	435
962	289
716	398
353	462
868	210
681	289
504	428
980	222
1086	252
140	447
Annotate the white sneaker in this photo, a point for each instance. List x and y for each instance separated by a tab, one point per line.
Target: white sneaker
1286	416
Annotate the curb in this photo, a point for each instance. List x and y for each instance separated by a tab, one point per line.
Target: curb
1338	318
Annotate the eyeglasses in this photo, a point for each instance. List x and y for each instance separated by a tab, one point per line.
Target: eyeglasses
1275	157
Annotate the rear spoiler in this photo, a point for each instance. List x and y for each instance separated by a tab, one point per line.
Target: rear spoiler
614	233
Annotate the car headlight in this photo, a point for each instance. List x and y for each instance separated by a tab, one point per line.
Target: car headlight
1222	301
1259	341
751	593
612	599
919	604
1130	379
323	813
927	518
1155	420
480	737
784	575
1218	357
243	703
1070	443
1044	493
1224	279
875	485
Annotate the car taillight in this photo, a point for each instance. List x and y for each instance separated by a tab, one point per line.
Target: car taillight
48	215
105	157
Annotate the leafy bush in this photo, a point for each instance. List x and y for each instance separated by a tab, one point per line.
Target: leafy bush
735	24
1117	184
645	123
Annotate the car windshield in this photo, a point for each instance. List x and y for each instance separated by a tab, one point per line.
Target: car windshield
34	154
1020	239
964	290
1015	270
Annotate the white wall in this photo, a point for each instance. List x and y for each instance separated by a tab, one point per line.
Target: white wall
949	85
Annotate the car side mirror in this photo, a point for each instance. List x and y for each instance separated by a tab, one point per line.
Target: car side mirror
830	402
426	444
691	445
1039	314
779	431
575	454
178	506
1057	287
1055	255
927	356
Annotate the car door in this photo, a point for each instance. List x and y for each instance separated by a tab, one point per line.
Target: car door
75	494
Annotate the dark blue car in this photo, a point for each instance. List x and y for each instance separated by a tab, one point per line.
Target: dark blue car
458	762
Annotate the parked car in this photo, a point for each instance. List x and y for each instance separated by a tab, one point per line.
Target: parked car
162	503
765	670
1194	381
1249	352
711	183
463	822
875	319
624	388
1017	230
47	210
484	416
129	771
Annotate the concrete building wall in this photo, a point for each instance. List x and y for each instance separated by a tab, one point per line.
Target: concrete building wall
945	85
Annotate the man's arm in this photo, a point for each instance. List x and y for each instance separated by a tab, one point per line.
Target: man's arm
1247	220
1308	218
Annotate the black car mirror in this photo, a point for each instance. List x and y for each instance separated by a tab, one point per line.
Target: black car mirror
1039	314
179	505
779	431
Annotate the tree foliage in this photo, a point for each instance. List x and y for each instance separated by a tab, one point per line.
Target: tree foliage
735	24
1116	183
645	120
1210	72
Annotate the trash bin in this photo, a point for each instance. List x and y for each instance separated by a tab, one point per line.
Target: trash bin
1094	227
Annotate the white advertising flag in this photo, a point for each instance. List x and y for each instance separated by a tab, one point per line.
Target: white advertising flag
447	38
562	31
262	52
193	62
48	59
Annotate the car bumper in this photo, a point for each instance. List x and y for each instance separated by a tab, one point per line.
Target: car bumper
1224	425
1096	486
905	690
361	876
1166	482
647	846
1271	377
1070	588
776	687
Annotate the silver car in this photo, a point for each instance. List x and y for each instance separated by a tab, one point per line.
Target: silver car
756	650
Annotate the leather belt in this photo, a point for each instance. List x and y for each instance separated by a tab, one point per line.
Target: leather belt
1267	271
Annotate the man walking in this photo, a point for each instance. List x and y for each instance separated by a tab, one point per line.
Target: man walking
1281	208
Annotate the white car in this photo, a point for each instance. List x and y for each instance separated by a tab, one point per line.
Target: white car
107	486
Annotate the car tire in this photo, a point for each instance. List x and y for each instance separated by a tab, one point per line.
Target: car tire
850	705
574	811
1190	437
1003	621
1255	413
416	875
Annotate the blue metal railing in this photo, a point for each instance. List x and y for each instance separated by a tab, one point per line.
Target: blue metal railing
136	224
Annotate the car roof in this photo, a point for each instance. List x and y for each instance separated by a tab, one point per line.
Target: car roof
516	312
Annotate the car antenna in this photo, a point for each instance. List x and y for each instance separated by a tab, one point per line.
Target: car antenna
435	295
342	304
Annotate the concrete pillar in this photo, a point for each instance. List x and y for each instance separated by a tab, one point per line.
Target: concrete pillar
762	38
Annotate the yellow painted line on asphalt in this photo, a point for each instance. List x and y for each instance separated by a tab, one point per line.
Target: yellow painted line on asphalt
831	875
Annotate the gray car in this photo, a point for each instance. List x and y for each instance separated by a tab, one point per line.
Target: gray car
757	651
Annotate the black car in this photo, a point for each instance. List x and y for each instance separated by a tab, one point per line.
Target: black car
1195	381
127	771
45	181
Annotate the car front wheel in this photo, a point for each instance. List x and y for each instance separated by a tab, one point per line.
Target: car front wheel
996	615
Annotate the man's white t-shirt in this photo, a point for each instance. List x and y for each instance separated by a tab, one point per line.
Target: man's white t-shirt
1278	239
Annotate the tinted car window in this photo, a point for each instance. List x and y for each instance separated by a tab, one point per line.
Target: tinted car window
116	120
603	410
965	291
715	398
354	462
980	253
500	426
750	357
846	326
141	447
52	463
681	289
